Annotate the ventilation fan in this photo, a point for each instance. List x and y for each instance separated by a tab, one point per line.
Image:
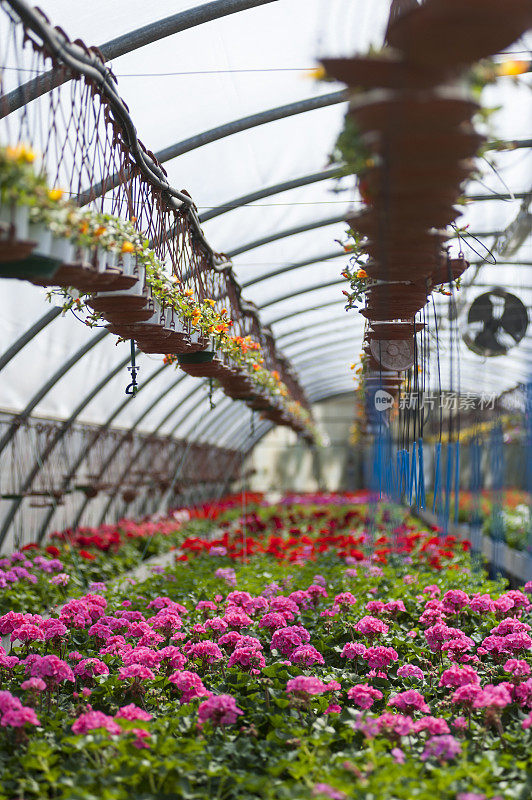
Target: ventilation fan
496	322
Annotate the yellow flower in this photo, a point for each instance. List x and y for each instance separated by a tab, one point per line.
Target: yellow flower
513	68
317	73
20	153
210	302
188	293
55	194
362	273
128	247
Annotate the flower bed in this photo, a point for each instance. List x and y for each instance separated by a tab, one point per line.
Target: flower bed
291	668
514	508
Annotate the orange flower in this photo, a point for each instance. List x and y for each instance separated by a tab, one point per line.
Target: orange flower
100	230
513	68
128	247
362	273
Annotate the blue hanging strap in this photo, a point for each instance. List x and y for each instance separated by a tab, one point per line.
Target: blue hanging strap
413	476
475	487
448	486
497	527
421	474
456	478
400	475
436	476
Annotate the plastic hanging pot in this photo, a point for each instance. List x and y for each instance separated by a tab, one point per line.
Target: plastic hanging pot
33	266
199	357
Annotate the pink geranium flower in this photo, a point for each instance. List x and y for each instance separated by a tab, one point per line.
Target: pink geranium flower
219	709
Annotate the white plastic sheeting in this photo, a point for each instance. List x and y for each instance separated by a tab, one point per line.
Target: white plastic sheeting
218	72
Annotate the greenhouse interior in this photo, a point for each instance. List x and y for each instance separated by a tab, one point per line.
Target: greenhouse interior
266	400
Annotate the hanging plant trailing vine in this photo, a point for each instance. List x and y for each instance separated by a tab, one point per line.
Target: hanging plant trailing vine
21	185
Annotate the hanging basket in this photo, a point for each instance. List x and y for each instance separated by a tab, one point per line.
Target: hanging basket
395	112
33	268
201	364
15	241
441	33
377	73
439	147
395	330
451	270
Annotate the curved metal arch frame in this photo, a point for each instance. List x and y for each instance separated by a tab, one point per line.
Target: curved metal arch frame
328	327
97	434
48	386
270	191
307	310
322	223
286	233
50	447
323	342
27	336
222	132
292	267
186	437
128	42
220	420
127	436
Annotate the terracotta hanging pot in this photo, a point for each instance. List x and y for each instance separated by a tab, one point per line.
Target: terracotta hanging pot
449	271
110	303
395	330
445	148
441	33
376	73
428	111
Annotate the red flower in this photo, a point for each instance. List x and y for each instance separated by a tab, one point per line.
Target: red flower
53	551
30	546
86	555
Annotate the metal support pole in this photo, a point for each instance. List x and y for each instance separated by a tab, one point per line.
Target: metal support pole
126	436
43	391
290	267
128	42
221	132
43	456
26	337
270	191
97	435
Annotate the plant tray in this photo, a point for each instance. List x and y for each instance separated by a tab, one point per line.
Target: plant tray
34	266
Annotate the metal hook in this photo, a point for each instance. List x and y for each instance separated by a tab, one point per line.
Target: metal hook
133	387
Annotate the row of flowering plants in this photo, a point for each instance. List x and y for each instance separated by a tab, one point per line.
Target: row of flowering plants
45	216
41	576
303	651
